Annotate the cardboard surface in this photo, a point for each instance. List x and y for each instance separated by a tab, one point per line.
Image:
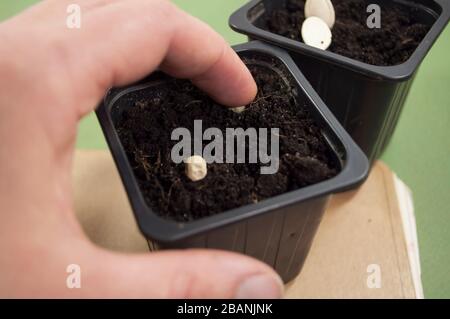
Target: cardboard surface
360	242
361	231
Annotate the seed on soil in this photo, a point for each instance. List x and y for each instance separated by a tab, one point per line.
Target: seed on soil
322	9
402	30
195	168
238	109
316	33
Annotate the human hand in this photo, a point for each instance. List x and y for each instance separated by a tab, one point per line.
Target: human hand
51	76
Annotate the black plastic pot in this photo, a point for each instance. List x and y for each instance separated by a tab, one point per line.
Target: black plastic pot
279	230
366	99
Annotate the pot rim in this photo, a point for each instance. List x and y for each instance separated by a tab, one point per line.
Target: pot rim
239	22
354	170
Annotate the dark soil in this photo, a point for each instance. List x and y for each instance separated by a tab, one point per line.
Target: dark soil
392	44
145	129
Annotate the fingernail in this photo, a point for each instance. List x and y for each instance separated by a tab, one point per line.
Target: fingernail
260	287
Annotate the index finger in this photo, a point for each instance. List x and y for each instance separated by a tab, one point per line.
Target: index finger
199	53
123	41
184	47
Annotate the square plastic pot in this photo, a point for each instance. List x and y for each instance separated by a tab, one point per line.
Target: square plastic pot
279	230
366	99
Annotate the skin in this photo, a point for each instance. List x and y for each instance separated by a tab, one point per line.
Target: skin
51	76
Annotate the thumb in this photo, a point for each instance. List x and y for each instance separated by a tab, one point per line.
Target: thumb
181	274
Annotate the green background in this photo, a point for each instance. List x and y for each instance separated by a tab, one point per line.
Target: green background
419	151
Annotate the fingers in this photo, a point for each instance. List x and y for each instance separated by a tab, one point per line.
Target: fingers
186	47
122	41
182	274
203	56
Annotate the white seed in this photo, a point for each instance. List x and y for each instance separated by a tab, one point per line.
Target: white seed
195	168
238	109
322	9
316	33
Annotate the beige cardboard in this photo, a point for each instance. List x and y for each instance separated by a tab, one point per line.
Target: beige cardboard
360	229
